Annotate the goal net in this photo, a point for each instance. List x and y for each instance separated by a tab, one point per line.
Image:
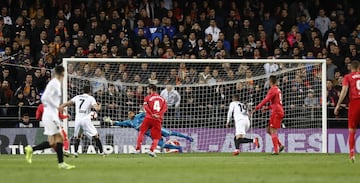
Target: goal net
198	93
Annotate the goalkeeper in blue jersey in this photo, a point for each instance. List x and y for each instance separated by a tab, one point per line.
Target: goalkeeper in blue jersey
135	122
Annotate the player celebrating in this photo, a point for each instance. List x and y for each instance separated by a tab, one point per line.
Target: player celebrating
83	104
351	82
155	107
239	112
277	113
51	100
135	122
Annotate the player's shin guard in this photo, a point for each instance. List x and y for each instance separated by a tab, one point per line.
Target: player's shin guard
275	141
154	145
77	143
41	146
59	152
98	144
352	143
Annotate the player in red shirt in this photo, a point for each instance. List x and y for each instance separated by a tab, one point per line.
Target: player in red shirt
351	83
277	112
155	106
39	113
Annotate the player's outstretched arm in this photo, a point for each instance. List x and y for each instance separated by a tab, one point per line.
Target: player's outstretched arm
97	106
125	123
342	96
267	99
66	104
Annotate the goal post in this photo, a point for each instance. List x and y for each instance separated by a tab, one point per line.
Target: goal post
205	88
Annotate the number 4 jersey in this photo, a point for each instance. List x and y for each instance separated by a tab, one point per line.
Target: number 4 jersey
155	104
274	97
352	80
83	105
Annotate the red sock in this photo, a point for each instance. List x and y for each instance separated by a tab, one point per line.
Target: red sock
66	141
352	142
66	144
154	145
275	141
139	141
279	143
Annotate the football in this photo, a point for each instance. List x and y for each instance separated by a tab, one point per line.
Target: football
93	115
172	142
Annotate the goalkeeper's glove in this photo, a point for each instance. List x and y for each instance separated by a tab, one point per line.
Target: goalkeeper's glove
107	119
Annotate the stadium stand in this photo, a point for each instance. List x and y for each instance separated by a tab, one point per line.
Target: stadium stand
35	35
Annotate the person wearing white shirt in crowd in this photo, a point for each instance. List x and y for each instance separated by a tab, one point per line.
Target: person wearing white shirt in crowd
172	98
213	30
322	22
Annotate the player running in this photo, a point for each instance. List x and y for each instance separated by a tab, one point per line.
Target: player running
39	114
83	105
351	83
51	100
155	107
277	113
239	112
135	122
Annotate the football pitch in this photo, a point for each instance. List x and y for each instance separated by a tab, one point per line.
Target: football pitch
182	168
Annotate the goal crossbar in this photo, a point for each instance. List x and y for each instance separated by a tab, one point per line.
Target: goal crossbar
209	61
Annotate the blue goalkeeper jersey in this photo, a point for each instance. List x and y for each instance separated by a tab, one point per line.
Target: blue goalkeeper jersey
134	123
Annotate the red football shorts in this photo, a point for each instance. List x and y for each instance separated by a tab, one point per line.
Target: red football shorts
354	114
153	125
275	120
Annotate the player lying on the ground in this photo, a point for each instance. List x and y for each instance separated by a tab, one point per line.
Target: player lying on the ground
239	112
135	122
39	114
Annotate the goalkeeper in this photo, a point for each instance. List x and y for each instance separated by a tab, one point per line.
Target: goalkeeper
135	122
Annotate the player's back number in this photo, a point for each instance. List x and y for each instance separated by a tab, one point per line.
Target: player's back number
243	108
156	106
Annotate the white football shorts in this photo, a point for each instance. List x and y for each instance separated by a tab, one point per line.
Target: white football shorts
51	123
87	127
242	126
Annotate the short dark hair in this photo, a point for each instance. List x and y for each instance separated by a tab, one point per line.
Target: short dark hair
59	70
152	87
86	89
235	97
273	79
355	64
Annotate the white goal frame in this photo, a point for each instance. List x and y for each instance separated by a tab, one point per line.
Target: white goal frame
152	60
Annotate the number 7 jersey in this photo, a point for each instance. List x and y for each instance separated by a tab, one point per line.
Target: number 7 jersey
275	98
83	105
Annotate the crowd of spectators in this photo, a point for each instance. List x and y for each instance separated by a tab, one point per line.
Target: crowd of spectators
35	35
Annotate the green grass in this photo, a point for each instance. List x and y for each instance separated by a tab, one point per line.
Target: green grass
183	168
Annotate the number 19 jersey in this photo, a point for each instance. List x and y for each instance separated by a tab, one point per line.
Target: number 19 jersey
238	111
83	105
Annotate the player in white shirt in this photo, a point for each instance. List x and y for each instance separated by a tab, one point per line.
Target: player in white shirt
83	105
239	112
51	99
